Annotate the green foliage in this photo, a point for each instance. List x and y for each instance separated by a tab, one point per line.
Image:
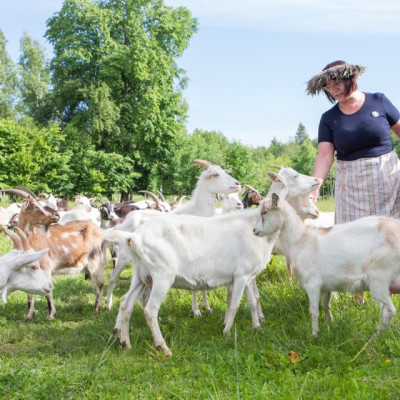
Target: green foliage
8	82
34	78
396	142
31	157
114	76
301	134
96	172
305	158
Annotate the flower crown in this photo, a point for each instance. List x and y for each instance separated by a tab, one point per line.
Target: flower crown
336	73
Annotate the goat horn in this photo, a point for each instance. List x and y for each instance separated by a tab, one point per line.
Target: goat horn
25	189
152	195
203	163
14	237
249	187
161	196
181	199
17	192
24	239
277	166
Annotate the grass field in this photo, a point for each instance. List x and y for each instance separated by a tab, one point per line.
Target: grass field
76	356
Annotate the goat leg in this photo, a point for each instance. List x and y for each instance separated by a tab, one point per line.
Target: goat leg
52	309
31	307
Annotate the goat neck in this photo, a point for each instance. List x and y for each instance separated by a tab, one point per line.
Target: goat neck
202	202
291	228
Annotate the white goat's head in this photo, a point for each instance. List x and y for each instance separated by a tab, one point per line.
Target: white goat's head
217	179
82	201
288	182
271	218
231	202
48	200
20	269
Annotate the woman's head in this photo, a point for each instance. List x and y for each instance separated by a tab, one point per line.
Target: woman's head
350	83
334	74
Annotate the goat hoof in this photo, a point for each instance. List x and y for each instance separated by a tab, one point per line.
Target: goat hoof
197	313
165	349
116	331
96	308
126	345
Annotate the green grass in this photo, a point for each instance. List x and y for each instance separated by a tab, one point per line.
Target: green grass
76	356
326	204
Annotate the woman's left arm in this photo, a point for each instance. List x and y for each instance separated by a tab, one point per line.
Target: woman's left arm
396	128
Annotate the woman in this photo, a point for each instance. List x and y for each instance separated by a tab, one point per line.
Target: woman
357	128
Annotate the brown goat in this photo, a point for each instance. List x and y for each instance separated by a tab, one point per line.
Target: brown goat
32	212
77	246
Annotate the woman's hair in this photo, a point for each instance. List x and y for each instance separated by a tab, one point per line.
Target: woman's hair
350	84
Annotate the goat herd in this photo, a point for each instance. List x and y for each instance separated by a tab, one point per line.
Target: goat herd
188	245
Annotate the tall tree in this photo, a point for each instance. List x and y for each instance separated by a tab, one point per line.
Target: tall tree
301	134
8	81
304	160
115	76
34	78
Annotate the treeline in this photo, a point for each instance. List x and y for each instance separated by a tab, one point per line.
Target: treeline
45	160
106	114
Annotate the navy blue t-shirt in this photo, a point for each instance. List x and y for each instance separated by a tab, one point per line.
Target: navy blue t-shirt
366	133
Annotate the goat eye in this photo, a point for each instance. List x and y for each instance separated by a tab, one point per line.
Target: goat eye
34	268
215	175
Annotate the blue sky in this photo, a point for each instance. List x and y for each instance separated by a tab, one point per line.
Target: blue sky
250	60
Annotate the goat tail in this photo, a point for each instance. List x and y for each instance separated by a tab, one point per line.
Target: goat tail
117	236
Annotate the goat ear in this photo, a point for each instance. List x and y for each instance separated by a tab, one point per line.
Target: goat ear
275	200
273	177
29	258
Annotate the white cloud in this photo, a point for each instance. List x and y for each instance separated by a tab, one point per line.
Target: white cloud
340	17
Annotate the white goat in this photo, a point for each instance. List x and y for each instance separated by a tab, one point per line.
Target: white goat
212	180
229	203
352	257
5	216
83	211
192	253
20	269
295	188
324	220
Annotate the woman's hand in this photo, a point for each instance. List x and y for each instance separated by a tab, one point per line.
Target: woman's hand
314	195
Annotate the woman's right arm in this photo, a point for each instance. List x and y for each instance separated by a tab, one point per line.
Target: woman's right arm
322	165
